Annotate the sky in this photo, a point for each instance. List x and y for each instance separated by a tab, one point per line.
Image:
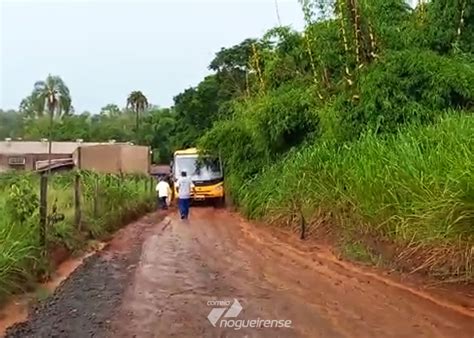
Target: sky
104	49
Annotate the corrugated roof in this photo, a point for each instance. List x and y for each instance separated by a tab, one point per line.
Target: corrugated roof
39	147
58	163
160	169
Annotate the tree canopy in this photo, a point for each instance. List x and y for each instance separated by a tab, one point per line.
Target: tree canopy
357	66
50	96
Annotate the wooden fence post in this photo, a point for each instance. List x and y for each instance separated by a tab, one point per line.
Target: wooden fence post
121	179
303	224
77	201
43	211
299	190
96	198
152	181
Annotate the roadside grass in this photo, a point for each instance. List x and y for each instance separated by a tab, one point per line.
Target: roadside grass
117	200
359	252
414	188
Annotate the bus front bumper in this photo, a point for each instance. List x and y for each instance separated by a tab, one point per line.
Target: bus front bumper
202	193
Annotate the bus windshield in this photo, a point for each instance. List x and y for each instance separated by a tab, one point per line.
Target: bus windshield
199	169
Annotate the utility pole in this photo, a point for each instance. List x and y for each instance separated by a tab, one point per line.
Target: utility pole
277	13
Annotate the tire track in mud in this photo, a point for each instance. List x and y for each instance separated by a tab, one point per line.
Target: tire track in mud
155	279
217	255
349	269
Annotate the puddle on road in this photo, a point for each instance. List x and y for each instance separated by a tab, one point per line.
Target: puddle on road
16	310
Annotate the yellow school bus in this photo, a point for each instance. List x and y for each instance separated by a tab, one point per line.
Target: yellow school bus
205	172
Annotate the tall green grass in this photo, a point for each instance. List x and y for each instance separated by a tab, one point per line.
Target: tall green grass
117	201
18	253
415	188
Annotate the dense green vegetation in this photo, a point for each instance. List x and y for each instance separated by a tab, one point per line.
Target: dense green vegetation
107	202
363	119
414	188
112	123
364	122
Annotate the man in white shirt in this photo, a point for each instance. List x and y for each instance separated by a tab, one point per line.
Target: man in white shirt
163	190
185	186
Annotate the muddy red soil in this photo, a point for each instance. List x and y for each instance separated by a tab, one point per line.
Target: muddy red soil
163	278
85	304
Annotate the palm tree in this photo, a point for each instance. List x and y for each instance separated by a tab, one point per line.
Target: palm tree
31	109
54	97
138	103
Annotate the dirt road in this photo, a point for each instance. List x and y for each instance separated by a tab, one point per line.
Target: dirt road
163	279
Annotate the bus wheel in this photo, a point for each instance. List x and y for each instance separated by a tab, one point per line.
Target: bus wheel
219	202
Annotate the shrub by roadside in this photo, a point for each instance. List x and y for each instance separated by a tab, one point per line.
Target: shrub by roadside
107	202
413	189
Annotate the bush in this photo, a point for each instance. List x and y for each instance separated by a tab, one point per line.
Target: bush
20	251
410	86
414	187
